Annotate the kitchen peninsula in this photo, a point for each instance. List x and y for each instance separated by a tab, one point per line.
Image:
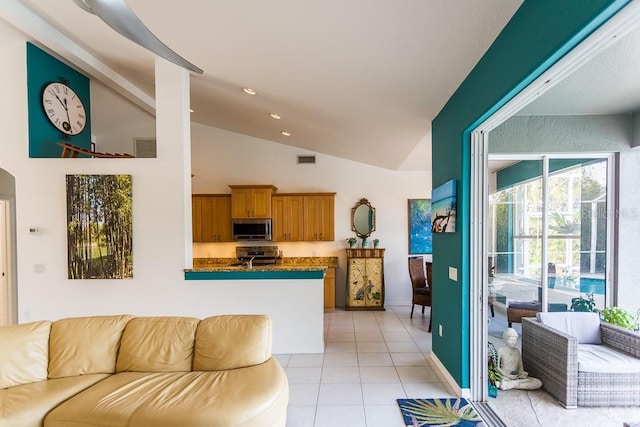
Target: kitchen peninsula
291	292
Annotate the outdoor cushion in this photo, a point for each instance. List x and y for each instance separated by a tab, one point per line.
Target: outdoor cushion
583	326
604	359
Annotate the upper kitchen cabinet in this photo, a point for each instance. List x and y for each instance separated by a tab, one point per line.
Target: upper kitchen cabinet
287	211
251	201
318	216
211	217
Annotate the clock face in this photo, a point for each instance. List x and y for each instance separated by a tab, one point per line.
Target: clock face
63	108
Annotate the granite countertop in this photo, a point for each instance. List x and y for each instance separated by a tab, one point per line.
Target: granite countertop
286	264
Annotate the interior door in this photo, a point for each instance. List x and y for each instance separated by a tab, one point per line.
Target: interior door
4	285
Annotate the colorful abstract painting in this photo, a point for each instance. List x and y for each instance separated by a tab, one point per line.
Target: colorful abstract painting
420	226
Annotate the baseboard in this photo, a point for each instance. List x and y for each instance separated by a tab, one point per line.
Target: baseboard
447	379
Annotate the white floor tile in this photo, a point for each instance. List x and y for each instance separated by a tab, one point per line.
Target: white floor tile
374	359
283	359
384	394
423	374
378	375
383	416
303	394
306	360
402	346
340	375
340	359
426	390
340	415
340	394
371	347
409	359
301	416
340	347
304	375
372	335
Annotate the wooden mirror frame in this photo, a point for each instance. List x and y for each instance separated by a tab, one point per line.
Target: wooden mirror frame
363	208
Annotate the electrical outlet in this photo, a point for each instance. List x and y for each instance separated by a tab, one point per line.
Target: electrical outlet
38	268
440	330
453	274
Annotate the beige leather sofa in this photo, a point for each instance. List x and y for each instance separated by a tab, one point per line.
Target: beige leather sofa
141	371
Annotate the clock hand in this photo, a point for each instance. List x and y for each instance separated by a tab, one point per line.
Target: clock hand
64	104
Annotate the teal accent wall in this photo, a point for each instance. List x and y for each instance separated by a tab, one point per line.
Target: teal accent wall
43	69
538	35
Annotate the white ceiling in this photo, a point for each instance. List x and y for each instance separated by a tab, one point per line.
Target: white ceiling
357	79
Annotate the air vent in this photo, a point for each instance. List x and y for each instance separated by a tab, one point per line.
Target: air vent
145	148
307	160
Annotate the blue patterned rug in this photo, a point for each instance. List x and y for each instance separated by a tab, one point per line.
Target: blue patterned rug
439	413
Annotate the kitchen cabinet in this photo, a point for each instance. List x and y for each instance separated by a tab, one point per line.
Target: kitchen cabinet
211	217
287	218
365	279
251	201
319	217
330	288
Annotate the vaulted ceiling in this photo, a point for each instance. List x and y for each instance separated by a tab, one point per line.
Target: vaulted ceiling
357	79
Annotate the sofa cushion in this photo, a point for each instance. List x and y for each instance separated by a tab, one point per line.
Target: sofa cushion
157	344
249	397
604	359
24	353
85	345
583	326
229	342
26	405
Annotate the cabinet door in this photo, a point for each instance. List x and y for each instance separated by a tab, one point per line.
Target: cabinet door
241	203
196	218
330	288
375	295
287	214
207	219
261	202
356	283
319	218
222	219
279	221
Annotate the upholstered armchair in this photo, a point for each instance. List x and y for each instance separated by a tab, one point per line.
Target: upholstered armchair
581	360
421	285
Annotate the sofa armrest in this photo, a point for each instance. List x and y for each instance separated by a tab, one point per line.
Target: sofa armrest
551	356
621	339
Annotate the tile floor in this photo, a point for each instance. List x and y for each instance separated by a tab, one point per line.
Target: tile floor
373	358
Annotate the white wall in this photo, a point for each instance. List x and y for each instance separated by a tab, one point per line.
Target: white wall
220	158
158	286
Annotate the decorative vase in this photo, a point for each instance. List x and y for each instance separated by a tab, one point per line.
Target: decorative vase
493	390
376	244
365	243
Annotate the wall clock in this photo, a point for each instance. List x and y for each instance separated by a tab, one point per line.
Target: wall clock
64	108
48	79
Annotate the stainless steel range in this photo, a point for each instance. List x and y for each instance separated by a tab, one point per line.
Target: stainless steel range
258	255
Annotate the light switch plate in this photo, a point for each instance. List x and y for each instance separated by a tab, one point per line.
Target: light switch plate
453	274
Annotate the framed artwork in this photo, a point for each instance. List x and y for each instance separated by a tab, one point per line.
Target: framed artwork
443	208
420	226
99	227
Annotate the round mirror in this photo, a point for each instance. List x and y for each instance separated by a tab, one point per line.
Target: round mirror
363	218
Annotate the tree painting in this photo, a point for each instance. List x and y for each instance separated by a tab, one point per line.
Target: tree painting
443	208
99	227
420	226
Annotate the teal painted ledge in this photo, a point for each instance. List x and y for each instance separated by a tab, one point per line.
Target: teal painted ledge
255	274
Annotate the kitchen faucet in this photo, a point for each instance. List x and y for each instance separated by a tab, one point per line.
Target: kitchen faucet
249	263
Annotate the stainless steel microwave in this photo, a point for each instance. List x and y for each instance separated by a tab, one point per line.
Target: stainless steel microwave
251	229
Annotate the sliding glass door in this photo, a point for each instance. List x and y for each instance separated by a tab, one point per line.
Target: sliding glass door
548	232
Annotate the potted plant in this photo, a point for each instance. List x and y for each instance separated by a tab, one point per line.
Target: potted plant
365	243
352	241
494	375
376	242
619	317
584	304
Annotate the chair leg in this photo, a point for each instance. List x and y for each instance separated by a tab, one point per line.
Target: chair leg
423	310
430	318
412	307
493	313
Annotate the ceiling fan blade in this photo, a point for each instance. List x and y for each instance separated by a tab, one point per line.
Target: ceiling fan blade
121	18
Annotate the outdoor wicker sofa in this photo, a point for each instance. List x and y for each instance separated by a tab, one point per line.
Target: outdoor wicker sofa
581	360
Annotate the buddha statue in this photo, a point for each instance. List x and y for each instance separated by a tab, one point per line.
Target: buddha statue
510	365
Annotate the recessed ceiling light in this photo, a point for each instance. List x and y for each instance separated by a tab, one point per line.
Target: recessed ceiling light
275	116
285	133
249	90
